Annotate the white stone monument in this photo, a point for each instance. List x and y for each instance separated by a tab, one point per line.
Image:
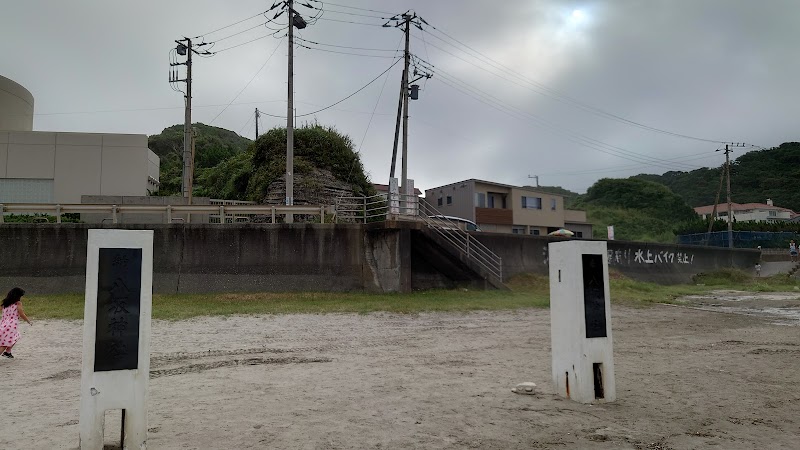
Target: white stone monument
580	321
116	335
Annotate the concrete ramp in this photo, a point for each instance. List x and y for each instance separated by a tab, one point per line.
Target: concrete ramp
770	268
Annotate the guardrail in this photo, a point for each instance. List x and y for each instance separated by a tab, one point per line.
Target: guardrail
116	211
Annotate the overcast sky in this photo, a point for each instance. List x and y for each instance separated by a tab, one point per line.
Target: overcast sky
552	92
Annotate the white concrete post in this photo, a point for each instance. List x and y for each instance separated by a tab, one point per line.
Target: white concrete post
394	196
410	199
116	335
580	322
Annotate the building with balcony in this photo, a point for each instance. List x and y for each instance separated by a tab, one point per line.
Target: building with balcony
502	208
56	167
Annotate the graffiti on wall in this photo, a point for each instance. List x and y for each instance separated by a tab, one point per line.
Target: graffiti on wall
628	257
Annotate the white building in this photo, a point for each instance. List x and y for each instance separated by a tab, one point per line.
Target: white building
56	167
747	212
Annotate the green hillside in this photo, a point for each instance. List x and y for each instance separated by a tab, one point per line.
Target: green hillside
213	145
640	210
755	177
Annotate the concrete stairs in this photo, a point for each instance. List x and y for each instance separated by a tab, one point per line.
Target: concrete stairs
474	265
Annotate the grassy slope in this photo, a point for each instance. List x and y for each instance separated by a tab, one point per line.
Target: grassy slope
528	291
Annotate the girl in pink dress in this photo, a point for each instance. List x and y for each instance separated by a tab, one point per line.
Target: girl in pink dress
12	311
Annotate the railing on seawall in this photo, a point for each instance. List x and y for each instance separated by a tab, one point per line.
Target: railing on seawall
462	241
115	212
410	207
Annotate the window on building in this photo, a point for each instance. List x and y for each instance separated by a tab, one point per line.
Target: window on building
579	234
491	201
773	213
534	232
531	202
518	229
449	200
26	190
553	204
439	201
480	200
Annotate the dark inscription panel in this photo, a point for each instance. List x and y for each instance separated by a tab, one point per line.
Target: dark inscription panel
119	285
594	296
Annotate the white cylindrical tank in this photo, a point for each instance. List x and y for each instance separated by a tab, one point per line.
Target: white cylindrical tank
16	106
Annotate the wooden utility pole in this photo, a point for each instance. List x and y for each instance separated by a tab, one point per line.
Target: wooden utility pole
258	116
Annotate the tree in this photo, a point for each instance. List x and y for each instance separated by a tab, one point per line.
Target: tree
318	151
213	145
638	209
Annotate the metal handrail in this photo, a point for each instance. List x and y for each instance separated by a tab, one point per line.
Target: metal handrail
409	207
212	210
462	240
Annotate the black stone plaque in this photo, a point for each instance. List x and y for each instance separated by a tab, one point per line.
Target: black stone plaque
594	296
119	286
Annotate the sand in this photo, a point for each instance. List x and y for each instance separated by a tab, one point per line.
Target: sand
686	379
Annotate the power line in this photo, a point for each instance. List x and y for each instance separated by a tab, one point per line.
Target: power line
353	7
340	101
344	53
242	32
631	166
522	115
549	124
327	10
245	126
352	22
248	83
234	24
351	48
550	92
250	41
372	116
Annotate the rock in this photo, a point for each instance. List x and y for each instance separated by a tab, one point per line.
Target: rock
526	388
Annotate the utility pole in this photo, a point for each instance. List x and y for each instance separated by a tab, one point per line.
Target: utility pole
187	128
407	90
730	210
290	118
406	61
728	172
397	126
295	20
186	48
257	117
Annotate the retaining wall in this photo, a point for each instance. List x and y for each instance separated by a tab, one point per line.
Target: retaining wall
644	261
385	257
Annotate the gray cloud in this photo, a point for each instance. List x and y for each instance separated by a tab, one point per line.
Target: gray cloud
721	69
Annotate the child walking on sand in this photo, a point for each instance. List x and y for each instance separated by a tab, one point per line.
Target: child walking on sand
12	311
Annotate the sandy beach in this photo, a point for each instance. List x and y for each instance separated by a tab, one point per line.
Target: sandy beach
686	379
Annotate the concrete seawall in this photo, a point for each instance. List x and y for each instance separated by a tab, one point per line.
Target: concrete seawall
385	257
644	261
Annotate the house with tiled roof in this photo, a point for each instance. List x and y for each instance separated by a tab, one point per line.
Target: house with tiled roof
747	212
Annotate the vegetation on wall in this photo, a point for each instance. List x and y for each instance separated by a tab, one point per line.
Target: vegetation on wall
228	166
